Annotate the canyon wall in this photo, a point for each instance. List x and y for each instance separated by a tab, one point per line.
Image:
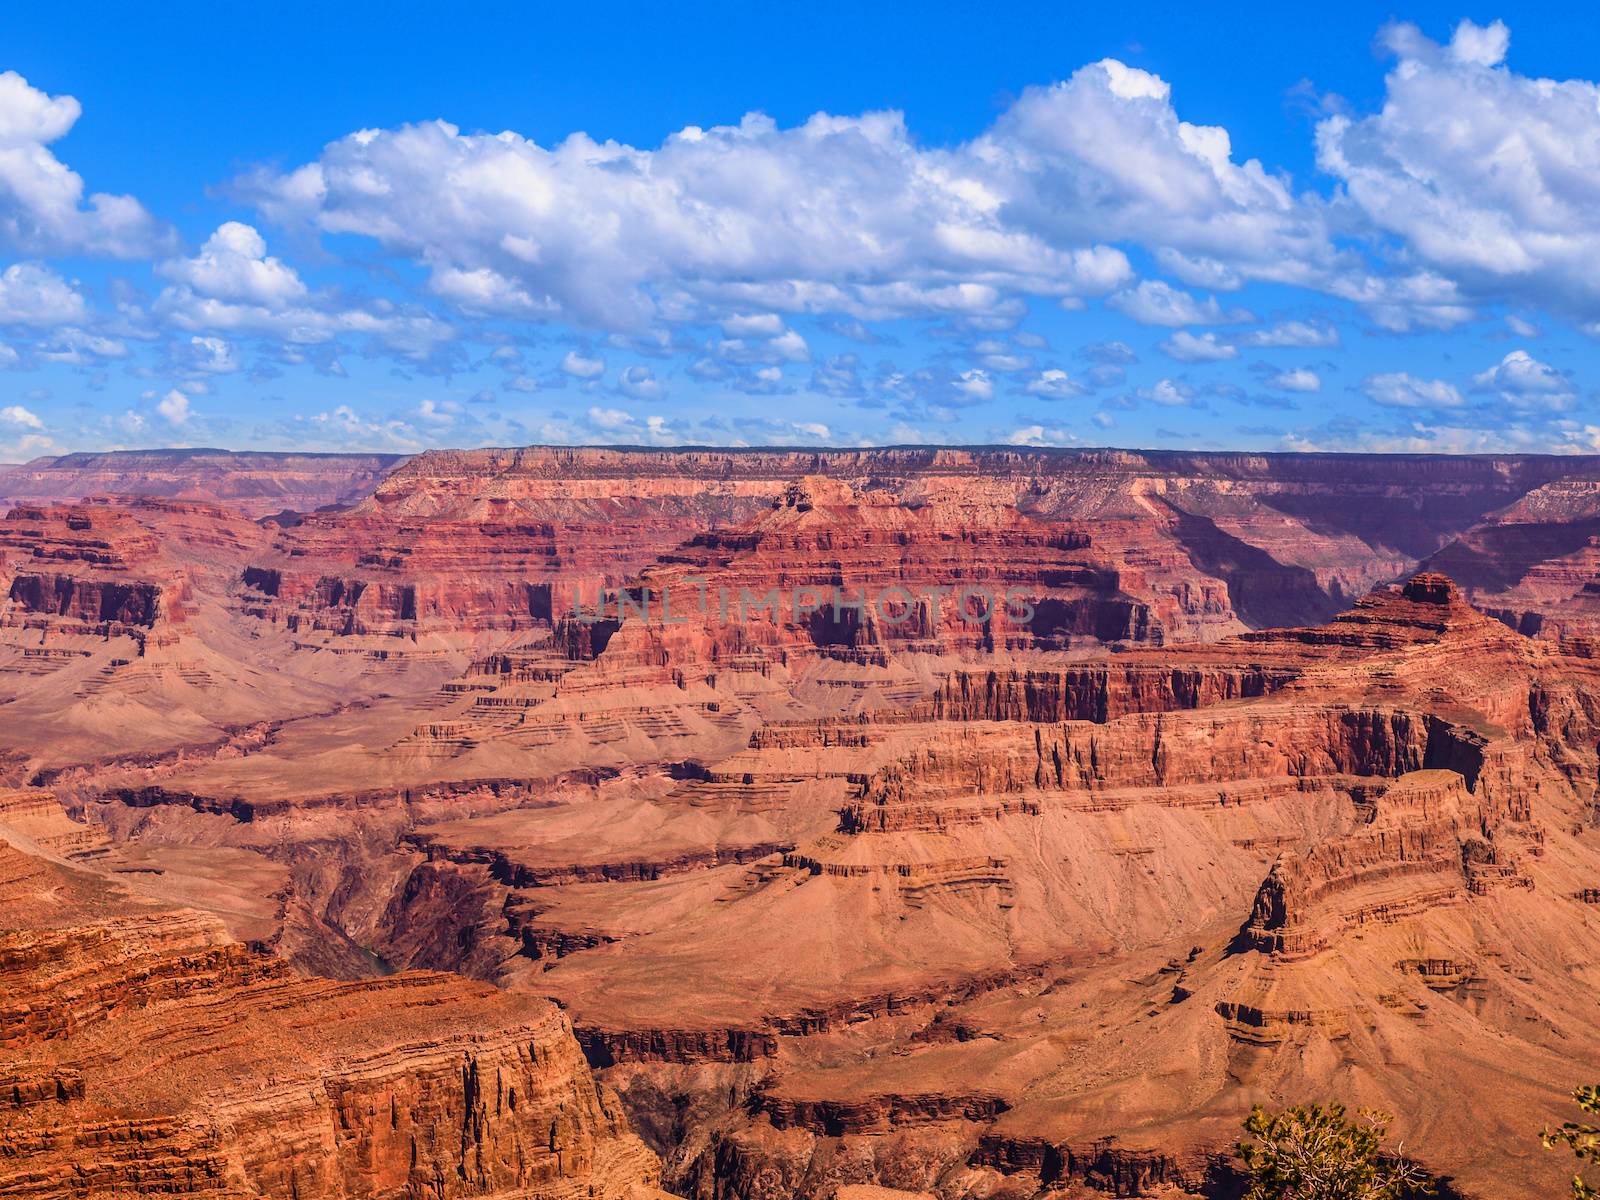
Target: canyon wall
443	836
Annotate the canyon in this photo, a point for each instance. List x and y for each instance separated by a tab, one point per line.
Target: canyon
779	824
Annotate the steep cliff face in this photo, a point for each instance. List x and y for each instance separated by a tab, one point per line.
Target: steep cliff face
144	1053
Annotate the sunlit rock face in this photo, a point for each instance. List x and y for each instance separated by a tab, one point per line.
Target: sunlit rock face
948	821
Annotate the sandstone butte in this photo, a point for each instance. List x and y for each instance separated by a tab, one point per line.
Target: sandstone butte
342	855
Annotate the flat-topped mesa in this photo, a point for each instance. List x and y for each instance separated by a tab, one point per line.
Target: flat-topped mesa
256	483
1430	587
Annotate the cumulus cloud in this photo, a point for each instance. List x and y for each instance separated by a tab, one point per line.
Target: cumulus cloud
1156	302
1299	379
753	325
1037	435
974	386
1521	379
31	294
1170	393
78	347
210	355
1488	177
174	407
610	419
1054	384
640	383
234	286
1187	347
343	428
42	205
842	214
234	265
1104	155
1290	333
1398	389
580	366
17	416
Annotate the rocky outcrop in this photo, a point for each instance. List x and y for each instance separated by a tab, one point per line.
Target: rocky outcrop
93	601
144	1053
1407	855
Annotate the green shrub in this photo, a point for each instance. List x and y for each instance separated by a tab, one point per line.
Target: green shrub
1584	1140
1312	1152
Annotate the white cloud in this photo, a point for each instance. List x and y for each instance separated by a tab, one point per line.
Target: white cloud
1170	393
582	367
1397	389
34	295
791	347
1187	347
438	412
610	419
1054	384
212	355
16	415
1488	177
1297	380
1007	363
1038	435
640	383
77	347
26	447
1480	46
845	214
234	286
1290	333
42	205
974	385
1155	302
753	325
234	265
1471	182
174	406
1521	379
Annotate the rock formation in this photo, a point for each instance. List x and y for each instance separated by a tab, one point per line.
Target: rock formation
1257	783
142	1052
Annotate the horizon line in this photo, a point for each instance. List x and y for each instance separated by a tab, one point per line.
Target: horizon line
707	448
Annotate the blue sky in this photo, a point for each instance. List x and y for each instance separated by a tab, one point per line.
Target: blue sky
389	227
